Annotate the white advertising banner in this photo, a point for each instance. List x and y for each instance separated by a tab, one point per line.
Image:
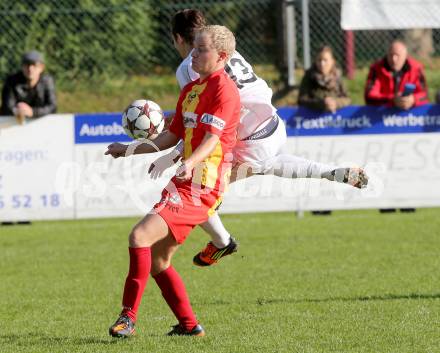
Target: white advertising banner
363	136
390	14
30	156
109	187
55	167
103	186
404	171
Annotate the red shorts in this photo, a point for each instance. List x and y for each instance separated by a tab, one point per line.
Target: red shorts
183	208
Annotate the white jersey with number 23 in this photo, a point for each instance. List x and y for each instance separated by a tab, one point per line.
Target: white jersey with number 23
255	94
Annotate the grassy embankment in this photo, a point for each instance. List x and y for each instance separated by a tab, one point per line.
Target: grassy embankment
115	95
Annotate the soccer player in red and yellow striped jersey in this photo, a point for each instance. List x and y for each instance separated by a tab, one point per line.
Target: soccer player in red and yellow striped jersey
206	112
207	116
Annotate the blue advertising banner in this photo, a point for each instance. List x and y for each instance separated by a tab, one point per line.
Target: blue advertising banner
300	121
361	120
99	128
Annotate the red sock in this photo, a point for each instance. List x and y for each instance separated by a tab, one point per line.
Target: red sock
174	293
140	265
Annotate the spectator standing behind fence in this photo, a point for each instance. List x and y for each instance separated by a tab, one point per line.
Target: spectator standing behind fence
29	93
396	80
322	87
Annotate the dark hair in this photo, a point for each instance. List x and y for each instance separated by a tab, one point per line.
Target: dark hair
325	48
186	22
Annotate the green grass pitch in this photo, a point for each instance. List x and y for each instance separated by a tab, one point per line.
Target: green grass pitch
355	281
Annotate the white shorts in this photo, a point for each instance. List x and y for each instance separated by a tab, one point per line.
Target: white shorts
259	154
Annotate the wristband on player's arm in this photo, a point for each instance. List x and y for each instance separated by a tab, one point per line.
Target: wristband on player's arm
178	151
175	155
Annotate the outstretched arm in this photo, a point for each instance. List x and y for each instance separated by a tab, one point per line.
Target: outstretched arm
421	92
8	99
158	167
372	93
305	95
50	99
162	142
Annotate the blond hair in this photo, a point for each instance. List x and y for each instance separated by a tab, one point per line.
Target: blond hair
222	38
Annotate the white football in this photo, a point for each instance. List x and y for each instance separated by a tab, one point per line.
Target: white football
143	119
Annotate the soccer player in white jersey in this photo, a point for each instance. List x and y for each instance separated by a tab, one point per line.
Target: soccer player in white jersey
260	136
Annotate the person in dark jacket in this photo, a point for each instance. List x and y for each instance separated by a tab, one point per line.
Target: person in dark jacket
389	78
322	87
29	93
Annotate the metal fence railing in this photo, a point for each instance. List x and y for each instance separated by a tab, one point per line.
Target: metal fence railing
121	37
324	19
82	39
253	23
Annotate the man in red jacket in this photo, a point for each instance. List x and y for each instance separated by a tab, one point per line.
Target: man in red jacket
390	79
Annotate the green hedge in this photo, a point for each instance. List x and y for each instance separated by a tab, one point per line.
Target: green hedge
119	38
80	38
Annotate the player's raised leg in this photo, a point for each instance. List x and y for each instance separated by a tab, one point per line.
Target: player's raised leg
282	165
354	176
290	166
262	156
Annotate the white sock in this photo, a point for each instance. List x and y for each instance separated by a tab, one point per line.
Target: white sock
290	166
215	228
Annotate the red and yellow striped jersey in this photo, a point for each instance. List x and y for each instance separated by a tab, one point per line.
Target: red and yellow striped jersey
211	105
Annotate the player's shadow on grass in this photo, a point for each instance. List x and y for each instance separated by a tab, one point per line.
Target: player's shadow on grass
384	297
95	340
33	338
264	301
